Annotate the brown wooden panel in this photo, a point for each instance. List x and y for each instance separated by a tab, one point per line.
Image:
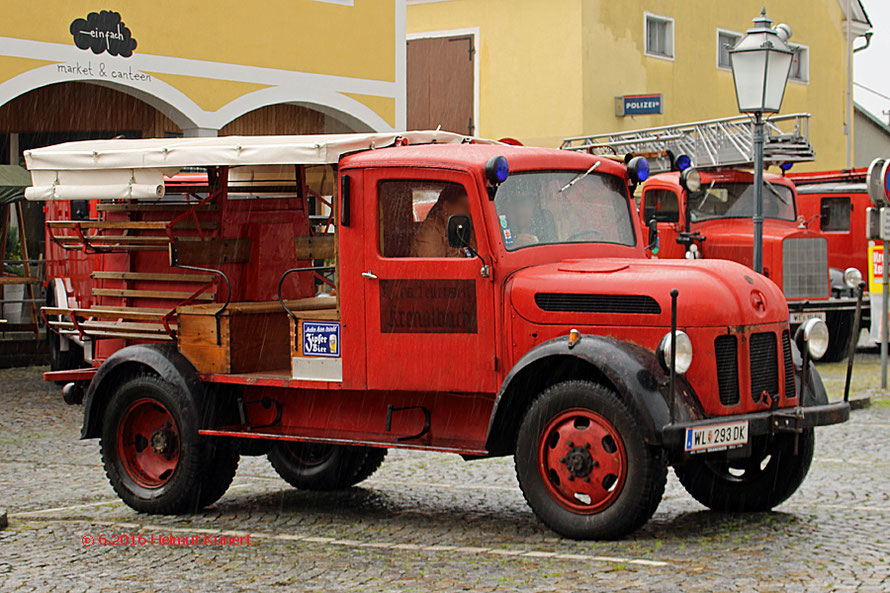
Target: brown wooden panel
212	253
440	84
259	342
322	247
198	343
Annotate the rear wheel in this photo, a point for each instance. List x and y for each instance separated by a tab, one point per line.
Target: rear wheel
758	483
583	465
318	466
153	455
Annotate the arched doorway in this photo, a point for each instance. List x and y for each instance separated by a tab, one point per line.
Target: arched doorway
285	118
76	111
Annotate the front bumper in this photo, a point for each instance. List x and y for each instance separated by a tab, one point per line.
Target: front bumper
823	305
783	420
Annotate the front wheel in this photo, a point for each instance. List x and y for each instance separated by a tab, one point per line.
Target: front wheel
583	465
154	458
757	483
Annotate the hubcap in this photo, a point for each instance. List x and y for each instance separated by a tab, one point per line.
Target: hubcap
148	443
582	461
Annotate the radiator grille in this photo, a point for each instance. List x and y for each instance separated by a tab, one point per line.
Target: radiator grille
726	351
805	268
789	364
764	364
597	303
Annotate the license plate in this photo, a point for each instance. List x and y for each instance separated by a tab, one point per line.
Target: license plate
716	437
801	317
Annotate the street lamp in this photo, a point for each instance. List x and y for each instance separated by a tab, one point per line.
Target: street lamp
761	62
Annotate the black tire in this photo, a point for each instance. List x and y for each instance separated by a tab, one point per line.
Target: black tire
202	470
756	484
840	332
316	466
645	472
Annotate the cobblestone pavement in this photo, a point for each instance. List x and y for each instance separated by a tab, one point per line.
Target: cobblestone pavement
426	522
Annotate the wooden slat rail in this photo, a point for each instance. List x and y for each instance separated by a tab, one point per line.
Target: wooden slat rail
178	207
131	313
152	276
152	294
87	326
127	225
124	323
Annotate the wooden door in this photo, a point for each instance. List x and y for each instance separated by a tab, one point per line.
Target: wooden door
440	84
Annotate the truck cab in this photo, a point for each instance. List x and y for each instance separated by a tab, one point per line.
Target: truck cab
713	221
320	300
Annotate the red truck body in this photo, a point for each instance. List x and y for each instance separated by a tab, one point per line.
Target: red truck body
544	338
837	202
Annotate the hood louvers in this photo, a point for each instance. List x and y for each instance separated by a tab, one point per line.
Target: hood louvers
597	303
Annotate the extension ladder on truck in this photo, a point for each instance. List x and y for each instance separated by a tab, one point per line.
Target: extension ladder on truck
725	142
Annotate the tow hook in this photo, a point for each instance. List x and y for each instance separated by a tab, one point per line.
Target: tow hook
72	393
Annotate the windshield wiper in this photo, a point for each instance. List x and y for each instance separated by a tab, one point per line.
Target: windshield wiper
775	192
580	176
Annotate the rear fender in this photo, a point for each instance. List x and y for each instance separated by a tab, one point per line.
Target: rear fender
162	360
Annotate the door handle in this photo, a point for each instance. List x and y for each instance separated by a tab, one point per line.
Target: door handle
369	275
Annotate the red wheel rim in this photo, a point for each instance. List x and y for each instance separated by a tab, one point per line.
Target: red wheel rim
582	461
148	443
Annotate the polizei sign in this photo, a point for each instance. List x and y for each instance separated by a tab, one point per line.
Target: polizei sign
638	105
103	32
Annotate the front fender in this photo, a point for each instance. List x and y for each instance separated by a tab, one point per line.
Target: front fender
631	370
160	359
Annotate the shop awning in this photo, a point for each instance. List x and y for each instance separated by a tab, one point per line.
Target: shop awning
13	181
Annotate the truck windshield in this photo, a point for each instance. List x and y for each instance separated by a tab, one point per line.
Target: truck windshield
547	208
736	200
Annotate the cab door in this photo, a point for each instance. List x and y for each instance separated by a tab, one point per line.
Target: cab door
663	205
429	318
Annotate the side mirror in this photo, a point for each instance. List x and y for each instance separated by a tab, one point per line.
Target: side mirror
653	235
460	231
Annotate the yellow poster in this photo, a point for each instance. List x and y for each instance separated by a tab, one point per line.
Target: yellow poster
875	268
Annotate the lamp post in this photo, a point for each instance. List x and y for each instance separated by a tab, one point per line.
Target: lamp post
761	62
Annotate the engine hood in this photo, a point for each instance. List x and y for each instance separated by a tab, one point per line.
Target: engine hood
636	292
732	239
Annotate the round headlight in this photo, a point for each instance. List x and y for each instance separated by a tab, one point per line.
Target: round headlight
690	179
684	352
815	337
852	277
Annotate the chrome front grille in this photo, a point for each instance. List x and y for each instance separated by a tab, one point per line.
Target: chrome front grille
805	268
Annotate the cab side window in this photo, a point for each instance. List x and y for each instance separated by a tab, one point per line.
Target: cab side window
414	217
836	214
662	205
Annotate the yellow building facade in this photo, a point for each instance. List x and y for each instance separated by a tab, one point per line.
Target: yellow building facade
552	69
70	70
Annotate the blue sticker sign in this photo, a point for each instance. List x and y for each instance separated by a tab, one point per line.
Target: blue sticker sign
321	338
639	105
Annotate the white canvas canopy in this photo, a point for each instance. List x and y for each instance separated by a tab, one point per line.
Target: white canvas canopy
134	169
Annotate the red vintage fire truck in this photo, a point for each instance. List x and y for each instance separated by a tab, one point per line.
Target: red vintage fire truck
710	217
836	203
321	299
